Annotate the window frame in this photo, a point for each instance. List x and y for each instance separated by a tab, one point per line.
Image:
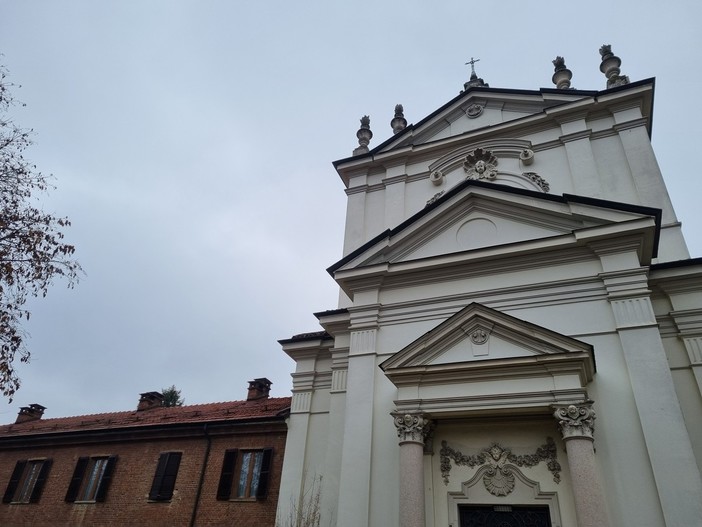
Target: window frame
91	479
230	476
27	481
165	476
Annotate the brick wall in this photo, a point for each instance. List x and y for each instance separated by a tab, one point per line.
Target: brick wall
127	501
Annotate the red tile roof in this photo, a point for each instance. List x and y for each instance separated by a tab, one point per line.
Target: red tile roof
223	412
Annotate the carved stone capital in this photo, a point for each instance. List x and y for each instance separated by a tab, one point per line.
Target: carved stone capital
576	420
412	427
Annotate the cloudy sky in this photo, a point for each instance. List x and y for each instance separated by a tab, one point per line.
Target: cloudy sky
192	143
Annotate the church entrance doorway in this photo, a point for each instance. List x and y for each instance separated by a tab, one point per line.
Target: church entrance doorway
504	516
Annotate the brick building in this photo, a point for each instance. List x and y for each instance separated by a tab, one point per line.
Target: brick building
198	465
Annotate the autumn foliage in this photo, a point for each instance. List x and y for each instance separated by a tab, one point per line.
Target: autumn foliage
32	250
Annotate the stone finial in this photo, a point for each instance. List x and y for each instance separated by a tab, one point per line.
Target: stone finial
562	75
398	122
474	80
610	67
576	421
364	135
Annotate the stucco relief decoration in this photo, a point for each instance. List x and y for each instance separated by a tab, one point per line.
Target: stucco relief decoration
479	336
435	197
576	420
540	182
499	476
474	110
412	427
480	164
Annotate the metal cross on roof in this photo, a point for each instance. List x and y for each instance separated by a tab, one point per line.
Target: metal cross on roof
472	62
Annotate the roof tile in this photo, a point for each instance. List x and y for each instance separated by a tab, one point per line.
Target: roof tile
224	411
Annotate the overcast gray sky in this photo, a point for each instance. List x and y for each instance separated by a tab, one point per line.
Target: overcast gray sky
192	143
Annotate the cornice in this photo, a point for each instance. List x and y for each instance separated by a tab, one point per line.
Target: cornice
535	366
171	431
494	405
587	102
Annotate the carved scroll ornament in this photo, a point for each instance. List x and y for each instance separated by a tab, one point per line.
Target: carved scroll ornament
412	427
576	420
499	462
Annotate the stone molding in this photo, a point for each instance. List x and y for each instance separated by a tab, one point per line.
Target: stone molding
576	421
412	427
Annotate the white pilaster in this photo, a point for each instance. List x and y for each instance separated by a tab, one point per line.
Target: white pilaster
670	450
354	483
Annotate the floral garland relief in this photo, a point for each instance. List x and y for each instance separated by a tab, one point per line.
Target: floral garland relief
499	477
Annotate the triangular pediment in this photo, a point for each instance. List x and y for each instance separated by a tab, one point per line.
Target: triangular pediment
476	109
478	334
482	220
506	121
484	362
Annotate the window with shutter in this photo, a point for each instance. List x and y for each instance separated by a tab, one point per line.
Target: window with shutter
27	481
165	476
91	479
245	474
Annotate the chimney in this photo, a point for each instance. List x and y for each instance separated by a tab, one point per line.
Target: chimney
259	389
150	400
33	412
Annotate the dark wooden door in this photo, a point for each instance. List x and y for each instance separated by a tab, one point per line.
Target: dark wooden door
504	516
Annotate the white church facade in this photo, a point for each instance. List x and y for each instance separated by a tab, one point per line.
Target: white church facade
519	335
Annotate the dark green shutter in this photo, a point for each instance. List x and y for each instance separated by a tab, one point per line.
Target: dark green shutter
158	477
76	479
14	481
264	478
39	483
226	479
105	479
165	476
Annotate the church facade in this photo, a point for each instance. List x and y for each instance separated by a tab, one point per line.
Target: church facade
519	335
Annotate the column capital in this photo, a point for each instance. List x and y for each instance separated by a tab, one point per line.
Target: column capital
576	420
412	427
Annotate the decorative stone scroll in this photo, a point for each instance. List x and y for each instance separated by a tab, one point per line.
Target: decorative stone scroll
576	420
414	427
538	180
498	464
